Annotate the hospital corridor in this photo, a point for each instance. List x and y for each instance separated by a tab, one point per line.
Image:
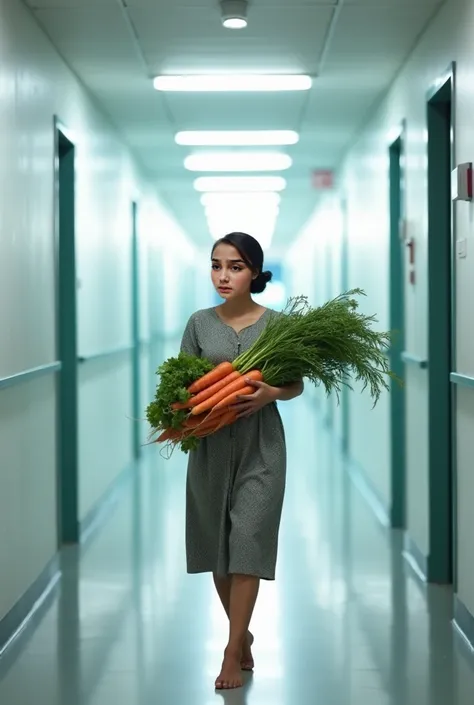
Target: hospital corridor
170	170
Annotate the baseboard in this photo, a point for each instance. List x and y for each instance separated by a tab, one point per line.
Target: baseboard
463	622
100	513
31	606
415	559
369	493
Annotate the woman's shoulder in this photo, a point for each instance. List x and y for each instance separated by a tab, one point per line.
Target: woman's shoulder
271	313
200	316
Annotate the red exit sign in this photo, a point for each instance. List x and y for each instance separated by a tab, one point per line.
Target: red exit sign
322	179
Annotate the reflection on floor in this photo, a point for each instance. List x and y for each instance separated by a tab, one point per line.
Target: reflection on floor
344	624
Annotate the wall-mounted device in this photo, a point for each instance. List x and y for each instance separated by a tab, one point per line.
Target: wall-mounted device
461	182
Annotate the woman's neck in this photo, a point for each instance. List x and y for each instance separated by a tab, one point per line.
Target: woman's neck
239	307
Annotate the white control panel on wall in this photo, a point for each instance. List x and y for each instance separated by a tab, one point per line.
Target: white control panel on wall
461	248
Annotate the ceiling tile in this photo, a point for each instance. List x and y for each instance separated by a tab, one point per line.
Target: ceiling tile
371	39
79	4
190	40
371	35
191	111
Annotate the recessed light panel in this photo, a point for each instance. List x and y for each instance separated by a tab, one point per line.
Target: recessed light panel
237	138
238	161
233	82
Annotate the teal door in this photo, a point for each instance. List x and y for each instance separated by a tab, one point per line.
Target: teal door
440	126
397	324
66	311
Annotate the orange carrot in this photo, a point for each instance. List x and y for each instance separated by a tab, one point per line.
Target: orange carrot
213	389
195	421
206	393
169	434
234	386
177	406
219	372
233	398
209	428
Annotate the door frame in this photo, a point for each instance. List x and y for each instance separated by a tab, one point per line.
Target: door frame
397	215
442	558
67	444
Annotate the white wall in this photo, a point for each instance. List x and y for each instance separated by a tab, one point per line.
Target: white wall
313	270
365	183
35	85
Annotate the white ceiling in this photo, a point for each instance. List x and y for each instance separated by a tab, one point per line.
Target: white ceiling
354	48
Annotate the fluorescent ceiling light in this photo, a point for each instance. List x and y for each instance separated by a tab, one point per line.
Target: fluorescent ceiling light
238	161
239	183
267	198
236	138
247	82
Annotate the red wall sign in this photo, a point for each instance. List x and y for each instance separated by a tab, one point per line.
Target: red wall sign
322	179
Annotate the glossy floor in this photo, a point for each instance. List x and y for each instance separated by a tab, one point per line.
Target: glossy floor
346	623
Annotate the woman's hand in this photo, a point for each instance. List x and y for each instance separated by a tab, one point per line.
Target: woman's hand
250	403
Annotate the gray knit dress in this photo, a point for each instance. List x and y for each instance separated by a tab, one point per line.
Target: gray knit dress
236	478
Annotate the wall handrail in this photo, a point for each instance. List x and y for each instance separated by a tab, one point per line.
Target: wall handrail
461	380
28	375
110	352
409	358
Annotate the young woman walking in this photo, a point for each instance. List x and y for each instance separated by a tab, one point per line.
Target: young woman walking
236	477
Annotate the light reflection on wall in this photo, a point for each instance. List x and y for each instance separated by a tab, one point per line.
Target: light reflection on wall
273	297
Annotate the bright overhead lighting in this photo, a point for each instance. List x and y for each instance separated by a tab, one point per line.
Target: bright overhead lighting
235	23
239	183
228	83
240	200
234	13
238	161
237	138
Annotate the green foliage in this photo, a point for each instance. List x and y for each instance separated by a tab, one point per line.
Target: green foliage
176	374
328	345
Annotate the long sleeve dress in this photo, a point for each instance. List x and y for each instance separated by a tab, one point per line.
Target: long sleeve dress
236	477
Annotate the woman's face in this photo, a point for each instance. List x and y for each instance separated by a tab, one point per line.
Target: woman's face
231	276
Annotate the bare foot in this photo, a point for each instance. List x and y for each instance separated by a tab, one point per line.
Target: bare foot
230	675
247	662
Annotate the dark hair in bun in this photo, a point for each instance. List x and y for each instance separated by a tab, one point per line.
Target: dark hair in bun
251	252
259	284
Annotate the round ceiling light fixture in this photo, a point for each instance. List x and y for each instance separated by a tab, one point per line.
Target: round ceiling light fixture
234	13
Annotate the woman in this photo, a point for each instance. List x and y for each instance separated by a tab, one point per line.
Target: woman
236	477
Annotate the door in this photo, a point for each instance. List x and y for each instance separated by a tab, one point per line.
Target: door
137	412
397	324
440	128
67	424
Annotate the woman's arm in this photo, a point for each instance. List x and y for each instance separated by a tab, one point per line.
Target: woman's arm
189	342
289	391
264	394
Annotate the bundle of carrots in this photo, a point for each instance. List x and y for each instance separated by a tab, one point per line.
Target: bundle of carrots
329	345
210	403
